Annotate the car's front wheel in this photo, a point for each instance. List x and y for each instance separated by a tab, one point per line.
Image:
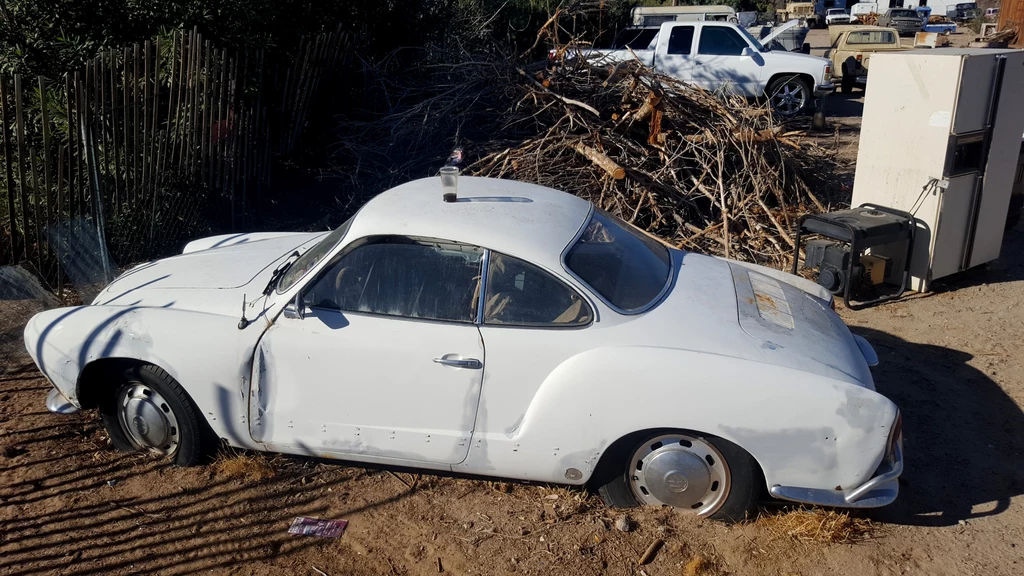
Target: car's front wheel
693	473
789	95
148	411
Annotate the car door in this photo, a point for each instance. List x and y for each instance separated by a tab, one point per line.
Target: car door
384	362
673	52
532	323
719	62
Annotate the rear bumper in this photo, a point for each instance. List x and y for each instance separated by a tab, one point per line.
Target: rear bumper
880	490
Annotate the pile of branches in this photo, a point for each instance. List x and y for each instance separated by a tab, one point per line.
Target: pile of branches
869	19
703	172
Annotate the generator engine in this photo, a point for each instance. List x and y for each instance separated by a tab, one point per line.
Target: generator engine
832	259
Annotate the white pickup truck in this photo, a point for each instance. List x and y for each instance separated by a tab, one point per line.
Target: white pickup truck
723	56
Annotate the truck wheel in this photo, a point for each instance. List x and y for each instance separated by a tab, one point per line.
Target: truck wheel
789	95
846	83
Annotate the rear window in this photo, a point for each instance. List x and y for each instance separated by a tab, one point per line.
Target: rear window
628	269
872	37
635	38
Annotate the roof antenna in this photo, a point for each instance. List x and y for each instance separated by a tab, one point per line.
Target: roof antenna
243	322
450	176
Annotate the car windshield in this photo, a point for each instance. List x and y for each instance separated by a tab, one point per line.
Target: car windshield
311	257
627	268
753	41
835	11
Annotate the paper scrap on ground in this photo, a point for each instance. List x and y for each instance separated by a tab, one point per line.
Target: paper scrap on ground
316	527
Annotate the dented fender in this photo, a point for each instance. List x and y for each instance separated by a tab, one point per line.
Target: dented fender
204	352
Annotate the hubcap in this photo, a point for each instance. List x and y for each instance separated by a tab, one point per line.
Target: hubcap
147	419
790	98
681	471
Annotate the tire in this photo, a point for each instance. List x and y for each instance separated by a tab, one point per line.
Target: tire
729	492
148	411
789	95
847	83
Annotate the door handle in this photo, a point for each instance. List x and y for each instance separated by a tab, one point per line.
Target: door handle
471	363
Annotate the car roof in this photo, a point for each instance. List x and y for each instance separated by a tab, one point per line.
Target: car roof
516	218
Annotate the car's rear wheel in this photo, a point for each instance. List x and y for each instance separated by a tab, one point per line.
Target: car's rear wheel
693	473
789	95
148	411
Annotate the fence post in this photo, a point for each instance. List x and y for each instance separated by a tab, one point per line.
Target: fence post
21	164
89	145
12	215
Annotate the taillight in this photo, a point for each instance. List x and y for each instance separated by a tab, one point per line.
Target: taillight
860	57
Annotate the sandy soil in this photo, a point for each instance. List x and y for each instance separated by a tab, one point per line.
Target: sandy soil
951	360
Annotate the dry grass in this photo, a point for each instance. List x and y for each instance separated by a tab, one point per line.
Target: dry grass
252	467
818	526
701	566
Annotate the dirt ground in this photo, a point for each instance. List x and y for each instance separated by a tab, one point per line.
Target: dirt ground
951	359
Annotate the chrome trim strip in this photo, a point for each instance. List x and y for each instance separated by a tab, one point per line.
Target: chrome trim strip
654	302
485	271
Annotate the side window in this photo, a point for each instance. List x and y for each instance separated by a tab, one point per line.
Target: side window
680	40
432	280
720	41
521	294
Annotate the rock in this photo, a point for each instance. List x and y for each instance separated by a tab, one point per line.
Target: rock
625	524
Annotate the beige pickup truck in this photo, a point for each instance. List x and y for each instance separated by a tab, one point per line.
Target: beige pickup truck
851	49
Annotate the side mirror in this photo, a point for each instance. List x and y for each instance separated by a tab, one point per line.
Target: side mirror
748	52
293	309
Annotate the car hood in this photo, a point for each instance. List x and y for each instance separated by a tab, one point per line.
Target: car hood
755	313
206	280
779	30
812	63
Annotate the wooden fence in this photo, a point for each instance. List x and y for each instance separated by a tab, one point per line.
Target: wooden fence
150	143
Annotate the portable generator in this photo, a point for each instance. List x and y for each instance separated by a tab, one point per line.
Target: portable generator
863	252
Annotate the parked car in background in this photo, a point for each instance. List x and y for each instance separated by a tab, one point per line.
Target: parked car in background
862	9
835	16
851	50
991	14
724	56
903	20
657	377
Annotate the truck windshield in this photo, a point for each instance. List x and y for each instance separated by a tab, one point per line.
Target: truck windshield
753	41
903	14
